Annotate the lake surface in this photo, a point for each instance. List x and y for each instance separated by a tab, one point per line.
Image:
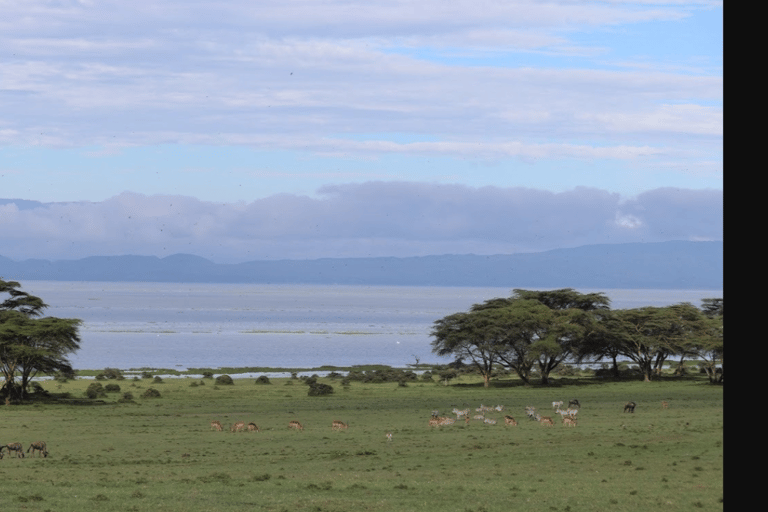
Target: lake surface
179	326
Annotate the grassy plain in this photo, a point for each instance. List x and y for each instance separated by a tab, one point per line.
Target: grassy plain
161	455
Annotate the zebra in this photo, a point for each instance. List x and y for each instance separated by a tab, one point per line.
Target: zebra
40	447
14	447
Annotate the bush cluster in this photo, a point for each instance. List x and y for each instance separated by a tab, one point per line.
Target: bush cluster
381	376
225	380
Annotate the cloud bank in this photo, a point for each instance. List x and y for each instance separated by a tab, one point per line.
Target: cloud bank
357	220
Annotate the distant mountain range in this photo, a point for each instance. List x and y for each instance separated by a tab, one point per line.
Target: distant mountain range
663	265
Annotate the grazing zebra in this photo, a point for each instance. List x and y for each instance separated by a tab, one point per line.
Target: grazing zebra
557	405
14	447
630	407
216	425
237	427
509	420
489	421
546	421
478	417
38	446
499	408
569	422
339	425
531	412
459	413
252	427
389	436
295	425
664	404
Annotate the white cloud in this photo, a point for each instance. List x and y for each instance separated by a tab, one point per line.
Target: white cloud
368	219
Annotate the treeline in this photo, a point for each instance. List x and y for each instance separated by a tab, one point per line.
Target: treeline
536	332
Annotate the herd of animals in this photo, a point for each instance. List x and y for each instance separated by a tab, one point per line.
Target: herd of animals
568	417
37	446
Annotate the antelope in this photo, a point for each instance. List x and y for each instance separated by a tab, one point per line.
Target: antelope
237	427
509	420
216	425
569	422
546	421
295	425
478	417
630	407
489	421
38	446
664	404
574	402
339	425
14	447
557	405
499	408
252	427
434	422
388	436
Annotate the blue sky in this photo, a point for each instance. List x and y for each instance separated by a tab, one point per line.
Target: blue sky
237	105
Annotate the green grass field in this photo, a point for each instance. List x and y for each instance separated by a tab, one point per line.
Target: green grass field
161	455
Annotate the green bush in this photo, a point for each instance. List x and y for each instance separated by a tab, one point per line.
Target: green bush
151	393
263	380
95	390
157	379
112	388
318	389
225	380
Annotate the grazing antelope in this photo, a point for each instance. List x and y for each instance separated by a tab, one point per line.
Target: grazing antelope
630	407
252	427
478	417
509	420
14	447
446	421
664	404
295	425
499	408
38	446
216	425
546	421
434	422
569	422
489	421
237	427
339	425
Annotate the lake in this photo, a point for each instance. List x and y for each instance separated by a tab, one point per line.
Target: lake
178	326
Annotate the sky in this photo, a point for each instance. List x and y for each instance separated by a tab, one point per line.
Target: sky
240	130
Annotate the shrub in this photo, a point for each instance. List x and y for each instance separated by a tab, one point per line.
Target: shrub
112	388
95	390
110	373
127	398
263	380
151	393
320	389
207	375
157	379
225	380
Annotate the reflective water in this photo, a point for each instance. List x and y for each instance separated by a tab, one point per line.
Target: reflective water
167	325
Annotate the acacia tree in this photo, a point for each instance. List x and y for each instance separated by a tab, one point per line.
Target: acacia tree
546	328
31	343
531	328
472	336
650	335
710	346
